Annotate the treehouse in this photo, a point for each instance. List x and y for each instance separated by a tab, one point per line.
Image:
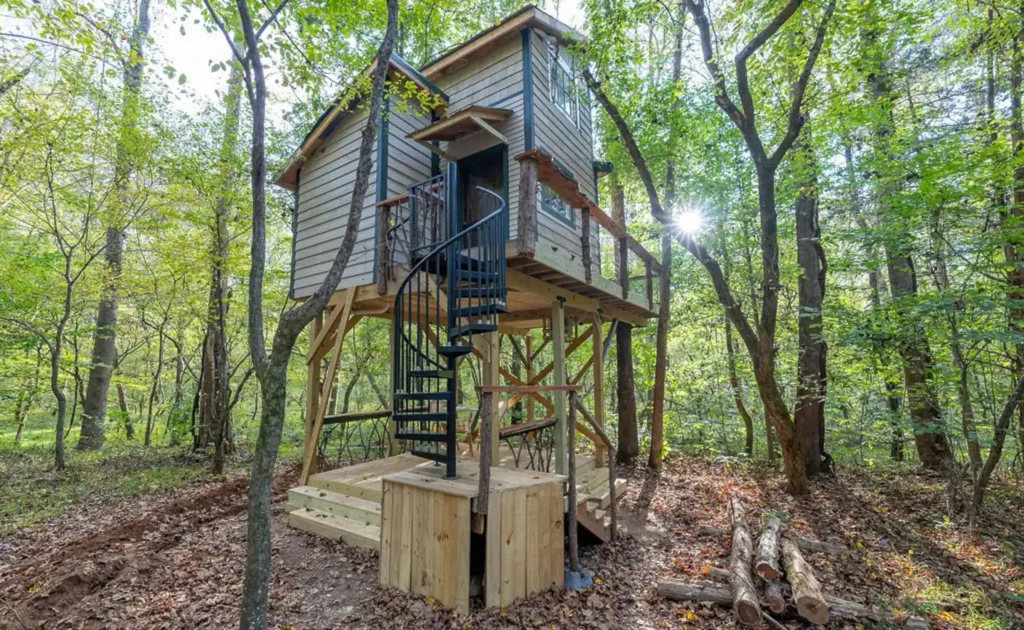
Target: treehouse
481	221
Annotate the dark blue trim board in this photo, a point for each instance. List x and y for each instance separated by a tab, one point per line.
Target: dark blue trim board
382	175
528	87
295	234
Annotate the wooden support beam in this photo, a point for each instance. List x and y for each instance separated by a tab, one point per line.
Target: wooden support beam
336	303
519	281
313	377
530	413
526	389
384	248
600	454
430	147
588	272
490	367
489	129
649	275
512	378
582	372
558	365
309	455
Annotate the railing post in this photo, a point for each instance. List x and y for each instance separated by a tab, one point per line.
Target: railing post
623	267
650	283
526	231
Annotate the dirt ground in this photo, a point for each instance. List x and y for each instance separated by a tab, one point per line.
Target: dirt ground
175	560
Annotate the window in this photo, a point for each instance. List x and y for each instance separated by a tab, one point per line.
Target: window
556	206
560	77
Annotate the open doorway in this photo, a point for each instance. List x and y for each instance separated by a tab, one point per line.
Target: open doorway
487	169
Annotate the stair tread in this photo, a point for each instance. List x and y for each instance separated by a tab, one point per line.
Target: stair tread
454	350
421	395
337	497
471	329
436	416
335	527
421	436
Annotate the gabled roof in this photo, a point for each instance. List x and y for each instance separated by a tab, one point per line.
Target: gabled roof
527	17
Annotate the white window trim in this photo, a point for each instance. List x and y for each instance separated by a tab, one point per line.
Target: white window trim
553	52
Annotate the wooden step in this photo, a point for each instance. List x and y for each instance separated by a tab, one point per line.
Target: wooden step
335	503
368	490
602	497
334	527
587	483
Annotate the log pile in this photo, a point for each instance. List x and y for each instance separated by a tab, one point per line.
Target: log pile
788	586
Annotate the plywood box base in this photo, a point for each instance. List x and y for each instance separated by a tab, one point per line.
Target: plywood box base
426	534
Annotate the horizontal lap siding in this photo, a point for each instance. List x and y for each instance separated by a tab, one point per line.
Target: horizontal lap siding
572	147
408	161
493	80
325	194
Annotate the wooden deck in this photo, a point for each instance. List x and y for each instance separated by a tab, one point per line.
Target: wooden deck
345	503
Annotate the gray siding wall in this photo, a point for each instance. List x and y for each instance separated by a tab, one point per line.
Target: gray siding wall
325	192
493	80
326	181
572	146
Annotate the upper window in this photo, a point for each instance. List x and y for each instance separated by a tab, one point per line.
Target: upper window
560	77
555	205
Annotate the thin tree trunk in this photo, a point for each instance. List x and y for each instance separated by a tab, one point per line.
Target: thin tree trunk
737	392
809	412
155	389
104	350
661	354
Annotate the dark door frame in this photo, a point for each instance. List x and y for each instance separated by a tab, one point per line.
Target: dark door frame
475	159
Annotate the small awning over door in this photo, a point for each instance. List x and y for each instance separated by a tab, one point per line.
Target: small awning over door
463	122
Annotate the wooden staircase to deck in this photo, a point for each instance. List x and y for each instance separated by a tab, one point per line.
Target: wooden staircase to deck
594	497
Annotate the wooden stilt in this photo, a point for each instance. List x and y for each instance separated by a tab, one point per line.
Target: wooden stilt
529	374
600	454
490	368
313	377
393	446
558	368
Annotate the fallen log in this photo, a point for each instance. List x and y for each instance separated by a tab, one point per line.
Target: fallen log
773	596
806	591
744	595
767	564
807	544
722	596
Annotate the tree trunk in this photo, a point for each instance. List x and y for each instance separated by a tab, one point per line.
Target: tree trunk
629	438
126	414
809	412
737	395
104	351
155	389
661	354
1014	215
27	397
767	563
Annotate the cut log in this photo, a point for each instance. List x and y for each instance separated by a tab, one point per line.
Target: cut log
807	544
722	596
767	564
806	591
744	595
773	596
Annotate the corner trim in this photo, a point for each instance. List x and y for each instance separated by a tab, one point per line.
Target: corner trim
528	87
295	235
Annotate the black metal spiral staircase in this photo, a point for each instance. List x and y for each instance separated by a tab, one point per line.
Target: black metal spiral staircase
455	289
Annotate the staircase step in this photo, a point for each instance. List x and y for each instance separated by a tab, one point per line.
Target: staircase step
421	436
462	261
431	373
470	329
466	293
479	310
602	497
335	503
336	527
434	416
421	396
454	351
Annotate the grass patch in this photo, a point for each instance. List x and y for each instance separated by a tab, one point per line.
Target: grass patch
31	492
963	605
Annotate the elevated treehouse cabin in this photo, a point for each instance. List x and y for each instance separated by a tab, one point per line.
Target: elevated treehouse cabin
483	221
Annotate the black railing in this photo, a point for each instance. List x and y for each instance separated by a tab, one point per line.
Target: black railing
428	221
454	290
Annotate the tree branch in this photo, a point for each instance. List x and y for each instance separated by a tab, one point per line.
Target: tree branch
742	80
696	9
272	18
796	119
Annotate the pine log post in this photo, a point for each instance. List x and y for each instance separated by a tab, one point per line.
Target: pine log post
526	233
613	509
806	591
384	255
574	544
744	595
649	277
588	261
767	563
484	487
807	544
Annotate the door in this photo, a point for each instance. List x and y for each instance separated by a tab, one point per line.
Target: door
486	169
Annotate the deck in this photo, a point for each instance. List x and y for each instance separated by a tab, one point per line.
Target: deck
345	503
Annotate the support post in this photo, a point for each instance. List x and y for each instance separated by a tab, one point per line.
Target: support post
529	375
558	348
600	453
383	249
491	365
313	377
392	426
574	545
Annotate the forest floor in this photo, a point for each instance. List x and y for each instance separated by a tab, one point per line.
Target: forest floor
174	559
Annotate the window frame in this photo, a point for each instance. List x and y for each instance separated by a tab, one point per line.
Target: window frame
558	64
566	213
